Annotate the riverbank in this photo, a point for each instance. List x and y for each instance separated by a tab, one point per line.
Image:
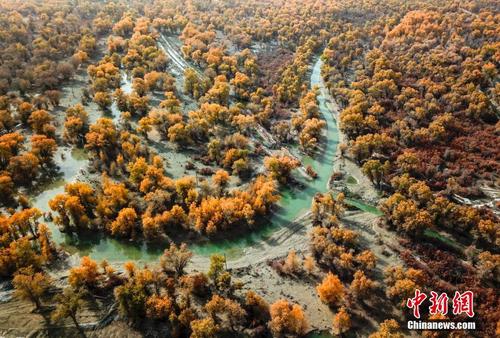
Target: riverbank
294	203
253	270
250	264
352	178
248	257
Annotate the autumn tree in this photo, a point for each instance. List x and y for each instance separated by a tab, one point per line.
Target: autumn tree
375	170
125	223
102	99
68	304
219	307
54	97
159	307
145	126
18	254
175	258
114	197
85	275
330	290
31	285
75	125
102	139
132	296
139	86
310	134
44	148
171	103
104	76
40	121
406	215
291	264
74	131
489	231
24	110
10	145
196	284
408	162
257	307
180	134
217	271
6	188
24	168
389	328
192	84
489	266
309	264
281	131
47	246
401	283
75	207
362	286
204	328
242	84
287	318
366	259
342	321
280	167
244	123
366	145
221	179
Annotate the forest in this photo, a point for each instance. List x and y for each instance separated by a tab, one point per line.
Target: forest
224	168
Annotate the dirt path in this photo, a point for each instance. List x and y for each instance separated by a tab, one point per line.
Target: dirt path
168	46
291	236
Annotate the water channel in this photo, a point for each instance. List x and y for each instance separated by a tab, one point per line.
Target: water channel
294	202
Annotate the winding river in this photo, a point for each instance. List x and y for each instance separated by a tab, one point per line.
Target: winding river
273	236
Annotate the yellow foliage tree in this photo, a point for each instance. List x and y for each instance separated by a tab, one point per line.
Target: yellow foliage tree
330	290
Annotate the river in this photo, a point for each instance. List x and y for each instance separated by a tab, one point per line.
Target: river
294	202
271	235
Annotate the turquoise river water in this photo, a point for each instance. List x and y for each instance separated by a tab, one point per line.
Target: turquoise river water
293	203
